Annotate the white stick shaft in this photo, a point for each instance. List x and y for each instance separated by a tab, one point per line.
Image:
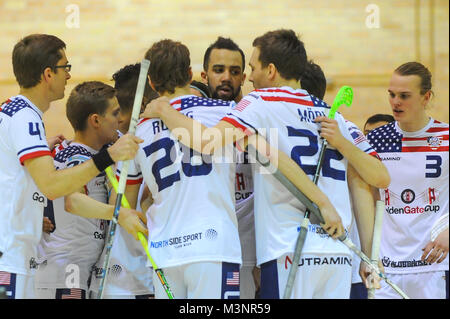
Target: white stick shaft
379	211
145	64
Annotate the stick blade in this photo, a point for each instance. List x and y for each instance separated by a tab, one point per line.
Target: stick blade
344	96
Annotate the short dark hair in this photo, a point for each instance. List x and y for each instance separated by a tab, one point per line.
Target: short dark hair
201	87
32	55
313	80
379	118
416	68
285	50
85	99
169	67
125	83
222	43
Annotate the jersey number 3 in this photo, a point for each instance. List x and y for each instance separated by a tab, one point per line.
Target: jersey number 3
434	162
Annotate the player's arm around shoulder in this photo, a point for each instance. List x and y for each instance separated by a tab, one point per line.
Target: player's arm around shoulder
56	183
53	183
363	204
370	168
290	169
190	132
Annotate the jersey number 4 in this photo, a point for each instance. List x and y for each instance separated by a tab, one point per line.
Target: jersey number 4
188	168
34	129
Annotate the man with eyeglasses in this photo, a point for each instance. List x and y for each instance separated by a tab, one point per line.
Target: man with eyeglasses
27	172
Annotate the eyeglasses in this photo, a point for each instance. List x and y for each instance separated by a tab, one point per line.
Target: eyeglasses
66	67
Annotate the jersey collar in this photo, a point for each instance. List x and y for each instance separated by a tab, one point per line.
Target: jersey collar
31	104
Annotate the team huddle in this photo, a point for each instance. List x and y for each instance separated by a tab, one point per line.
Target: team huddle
219	224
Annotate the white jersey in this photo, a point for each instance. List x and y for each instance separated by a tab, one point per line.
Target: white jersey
245	208
417	196
76	241
128	272
193	215
22	137
284	116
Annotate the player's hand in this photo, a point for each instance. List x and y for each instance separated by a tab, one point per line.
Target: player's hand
133	221
333	222
125	148
330	131
155	107
256	272
437	250
47	225
369	277
55	140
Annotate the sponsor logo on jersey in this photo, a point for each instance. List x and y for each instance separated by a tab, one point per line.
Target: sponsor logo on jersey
387	197
33	263
387	262
182	241
432	195
39	198
98	235
397	158
242	195
434	141
408	196
313	228
240	181
413	210
211	234
318	261
114	270
317	229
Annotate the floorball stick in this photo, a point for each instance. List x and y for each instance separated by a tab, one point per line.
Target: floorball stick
379	211
115	184
145	64
264	161
344	96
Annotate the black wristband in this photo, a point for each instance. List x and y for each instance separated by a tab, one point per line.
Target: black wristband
102	160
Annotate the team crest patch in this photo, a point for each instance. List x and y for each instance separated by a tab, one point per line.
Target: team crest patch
434	141
408	196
